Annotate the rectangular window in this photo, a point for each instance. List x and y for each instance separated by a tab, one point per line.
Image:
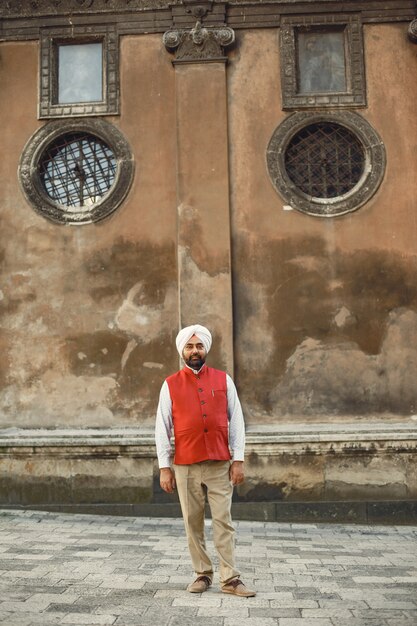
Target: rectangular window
322	61
79	71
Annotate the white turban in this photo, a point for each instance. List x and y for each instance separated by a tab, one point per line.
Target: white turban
186	333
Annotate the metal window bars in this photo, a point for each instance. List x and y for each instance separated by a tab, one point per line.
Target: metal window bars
77	170
325	160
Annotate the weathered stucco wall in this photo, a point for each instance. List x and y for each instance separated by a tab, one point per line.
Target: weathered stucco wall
325	309
323	322
88	314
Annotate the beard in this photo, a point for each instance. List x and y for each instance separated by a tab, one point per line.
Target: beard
195	362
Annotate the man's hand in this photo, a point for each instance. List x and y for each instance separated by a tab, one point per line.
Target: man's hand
167	479
236	473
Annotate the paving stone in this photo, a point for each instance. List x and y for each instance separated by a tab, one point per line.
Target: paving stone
360	622
290	621
274	612
391	604
251	621
85	619
223	611
381	614
192	620
80	569
299	604
345	604
197	600
73	608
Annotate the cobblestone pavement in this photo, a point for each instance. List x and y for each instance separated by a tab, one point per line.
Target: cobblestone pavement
84	569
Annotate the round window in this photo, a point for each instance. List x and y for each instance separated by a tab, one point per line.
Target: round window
327	164
76	171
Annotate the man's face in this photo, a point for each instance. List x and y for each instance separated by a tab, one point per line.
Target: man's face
194	353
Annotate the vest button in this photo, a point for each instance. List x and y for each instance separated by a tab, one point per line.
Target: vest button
200	390
204	415
202	402
205	430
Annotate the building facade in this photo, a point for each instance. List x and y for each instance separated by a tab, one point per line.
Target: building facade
249	166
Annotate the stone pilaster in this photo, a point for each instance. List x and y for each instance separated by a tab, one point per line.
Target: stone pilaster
203	183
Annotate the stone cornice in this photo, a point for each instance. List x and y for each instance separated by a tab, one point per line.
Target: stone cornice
31	8
240	13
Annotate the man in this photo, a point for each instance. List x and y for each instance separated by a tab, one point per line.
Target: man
201	404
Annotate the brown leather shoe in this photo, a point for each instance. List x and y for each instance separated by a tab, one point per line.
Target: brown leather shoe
237	588
201	584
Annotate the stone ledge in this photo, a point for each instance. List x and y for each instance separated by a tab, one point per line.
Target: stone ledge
392	512
299	433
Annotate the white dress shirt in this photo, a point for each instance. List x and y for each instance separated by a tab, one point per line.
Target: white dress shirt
164	425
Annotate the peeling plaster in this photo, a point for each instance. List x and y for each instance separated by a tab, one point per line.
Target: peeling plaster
345	380
335	331
66	361
151	365
256	336
143	321
129	348
211	257
203	298
343	317
74	400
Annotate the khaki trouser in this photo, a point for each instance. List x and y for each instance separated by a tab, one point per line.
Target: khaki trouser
190	480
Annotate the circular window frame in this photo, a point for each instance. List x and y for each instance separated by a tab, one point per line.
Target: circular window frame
361	192
32	187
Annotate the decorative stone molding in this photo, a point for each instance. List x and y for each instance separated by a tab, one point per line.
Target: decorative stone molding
349	26
29	8
198	9
94	129
49	38
300	438
200	44
412	31
372	168
23	19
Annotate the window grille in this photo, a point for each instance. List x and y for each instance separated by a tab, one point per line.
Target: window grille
325	163
78	169
325	160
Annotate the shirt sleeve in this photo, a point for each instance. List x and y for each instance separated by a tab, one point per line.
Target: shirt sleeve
236	422
163	427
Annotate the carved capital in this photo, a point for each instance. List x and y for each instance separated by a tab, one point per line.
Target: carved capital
412	31
200	44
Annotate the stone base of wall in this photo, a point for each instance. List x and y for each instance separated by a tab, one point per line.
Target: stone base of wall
363	472
398	512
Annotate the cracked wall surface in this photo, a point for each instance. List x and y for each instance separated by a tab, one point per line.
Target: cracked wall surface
325	310
89	314
324	317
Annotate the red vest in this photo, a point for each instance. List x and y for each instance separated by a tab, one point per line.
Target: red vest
199	413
